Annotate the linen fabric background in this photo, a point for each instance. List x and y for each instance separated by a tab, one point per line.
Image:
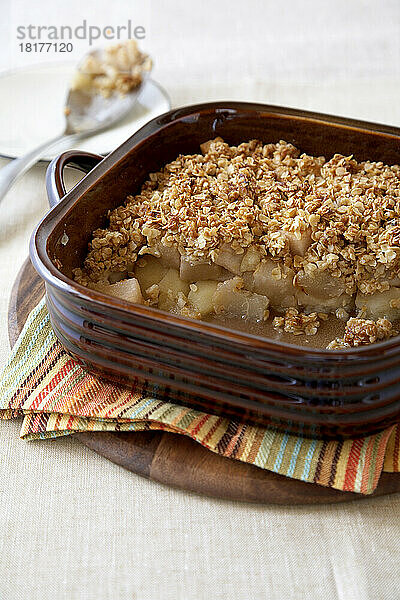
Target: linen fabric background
75	526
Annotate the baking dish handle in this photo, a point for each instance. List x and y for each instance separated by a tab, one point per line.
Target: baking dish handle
84	161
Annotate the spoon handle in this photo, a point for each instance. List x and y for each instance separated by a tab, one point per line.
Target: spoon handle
19	166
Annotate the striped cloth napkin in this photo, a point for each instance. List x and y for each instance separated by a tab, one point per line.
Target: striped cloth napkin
56	397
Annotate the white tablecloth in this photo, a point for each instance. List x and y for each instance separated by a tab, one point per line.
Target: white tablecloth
75	526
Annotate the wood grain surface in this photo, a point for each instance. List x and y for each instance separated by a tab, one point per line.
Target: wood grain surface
178	461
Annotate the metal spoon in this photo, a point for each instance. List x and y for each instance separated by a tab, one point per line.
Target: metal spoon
85	115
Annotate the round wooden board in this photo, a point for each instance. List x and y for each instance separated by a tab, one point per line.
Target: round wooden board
179	461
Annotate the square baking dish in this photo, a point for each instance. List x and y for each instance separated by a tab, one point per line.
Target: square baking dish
342	393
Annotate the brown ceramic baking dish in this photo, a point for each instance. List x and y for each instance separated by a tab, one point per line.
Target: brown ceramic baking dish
318	392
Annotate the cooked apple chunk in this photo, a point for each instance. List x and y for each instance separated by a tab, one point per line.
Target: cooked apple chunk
169	256
276	282
201	296
250	260
192	271
227	258
171	289
149	271
320	283
116	276
328	305
380	305
128	289
172	281
230	298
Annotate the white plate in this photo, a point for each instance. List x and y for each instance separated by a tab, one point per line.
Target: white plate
31	111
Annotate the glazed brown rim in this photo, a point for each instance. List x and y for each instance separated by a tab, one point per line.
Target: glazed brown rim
49	272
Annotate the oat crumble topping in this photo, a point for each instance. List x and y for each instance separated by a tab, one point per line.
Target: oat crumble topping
359	332
326	233
299	323
255	194
117	69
